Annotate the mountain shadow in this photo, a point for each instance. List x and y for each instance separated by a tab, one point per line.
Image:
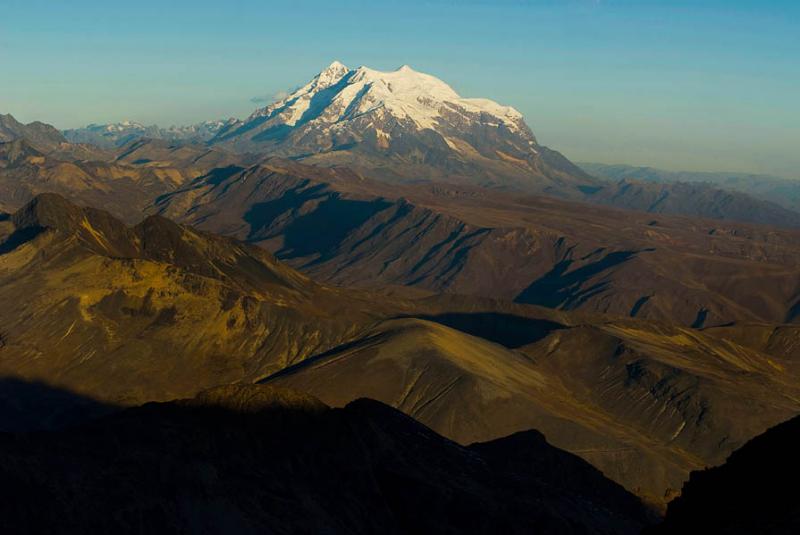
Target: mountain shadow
19	237
561	288
319	231
637	306
220	174
508	330
255	459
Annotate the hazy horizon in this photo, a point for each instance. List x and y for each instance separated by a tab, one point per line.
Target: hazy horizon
683	86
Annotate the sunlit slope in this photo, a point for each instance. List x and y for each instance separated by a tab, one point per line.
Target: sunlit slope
643	402
155	311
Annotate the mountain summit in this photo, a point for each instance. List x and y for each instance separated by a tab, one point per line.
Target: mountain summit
402	125
338	95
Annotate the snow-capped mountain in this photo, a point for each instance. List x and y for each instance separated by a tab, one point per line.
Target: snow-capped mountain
118	134
403	125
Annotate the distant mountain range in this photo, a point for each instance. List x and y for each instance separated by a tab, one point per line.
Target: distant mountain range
110	136
405	127
693	199
43	135
781	191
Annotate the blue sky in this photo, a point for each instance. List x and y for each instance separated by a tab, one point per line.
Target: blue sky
704	84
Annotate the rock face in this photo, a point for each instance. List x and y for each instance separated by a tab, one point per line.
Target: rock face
250	459
755	491
406	126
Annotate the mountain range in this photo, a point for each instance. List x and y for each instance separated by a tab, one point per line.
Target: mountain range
782	191
378	281
405	126
110	136
532	250
126	315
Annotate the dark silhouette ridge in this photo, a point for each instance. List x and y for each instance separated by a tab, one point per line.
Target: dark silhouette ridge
31	405
254	459
755	491
508	330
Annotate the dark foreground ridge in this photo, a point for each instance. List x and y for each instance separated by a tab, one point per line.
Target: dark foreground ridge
755	491
256	459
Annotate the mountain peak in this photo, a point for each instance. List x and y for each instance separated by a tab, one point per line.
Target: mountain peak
48	210
43	136
370	119
330	76
336	66
408	96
